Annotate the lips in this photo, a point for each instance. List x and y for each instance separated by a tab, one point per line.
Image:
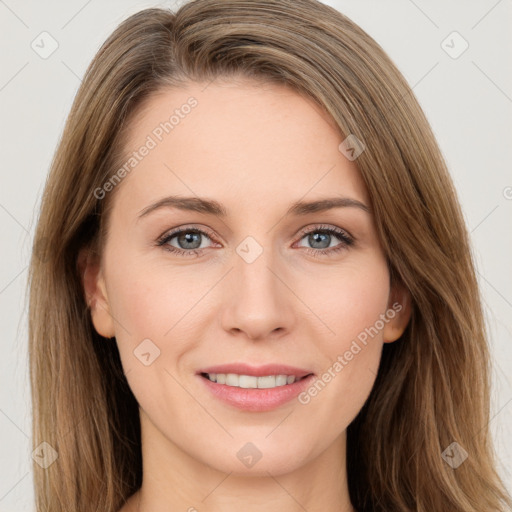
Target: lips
260	399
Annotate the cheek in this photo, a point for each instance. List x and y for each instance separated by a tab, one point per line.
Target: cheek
163	304
151	308
150	300
350	352
348	300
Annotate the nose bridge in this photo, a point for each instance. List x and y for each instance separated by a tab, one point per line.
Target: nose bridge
257	302
252	266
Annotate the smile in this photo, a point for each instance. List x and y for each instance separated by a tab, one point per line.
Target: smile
255	389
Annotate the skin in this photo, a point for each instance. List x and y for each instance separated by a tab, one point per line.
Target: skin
255	149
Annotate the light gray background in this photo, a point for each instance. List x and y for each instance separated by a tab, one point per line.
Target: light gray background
468	101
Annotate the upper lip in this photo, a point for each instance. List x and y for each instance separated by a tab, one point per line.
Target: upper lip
257	371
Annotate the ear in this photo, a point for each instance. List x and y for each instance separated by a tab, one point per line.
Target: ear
398	313
95	290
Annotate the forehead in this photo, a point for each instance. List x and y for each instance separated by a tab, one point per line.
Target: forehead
239	142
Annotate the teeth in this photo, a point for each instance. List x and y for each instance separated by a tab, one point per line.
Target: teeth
244	381
250	381
281	380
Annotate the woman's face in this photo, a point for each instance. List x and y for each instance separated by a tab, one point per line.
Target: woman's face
252	279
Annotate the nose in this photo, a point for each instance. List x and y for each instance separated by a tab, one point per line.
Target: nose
257	301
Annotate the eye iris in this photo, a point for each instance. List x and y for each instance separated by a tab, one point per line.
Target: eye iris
188	238
314	238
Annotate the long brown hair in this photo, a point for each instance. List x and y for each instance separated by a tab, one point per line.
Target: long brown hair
433	386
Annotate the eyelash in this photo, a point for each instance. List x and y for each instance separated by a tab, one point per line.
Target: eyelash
346	241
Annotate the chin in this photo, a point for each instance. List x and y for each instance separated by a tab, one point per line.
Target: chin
260	457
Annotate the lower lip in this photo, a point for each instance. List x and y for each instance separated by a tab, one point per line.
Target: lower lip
257	400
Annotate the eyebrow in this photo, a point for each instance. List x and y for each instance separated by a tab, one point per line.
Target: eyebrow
212	207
